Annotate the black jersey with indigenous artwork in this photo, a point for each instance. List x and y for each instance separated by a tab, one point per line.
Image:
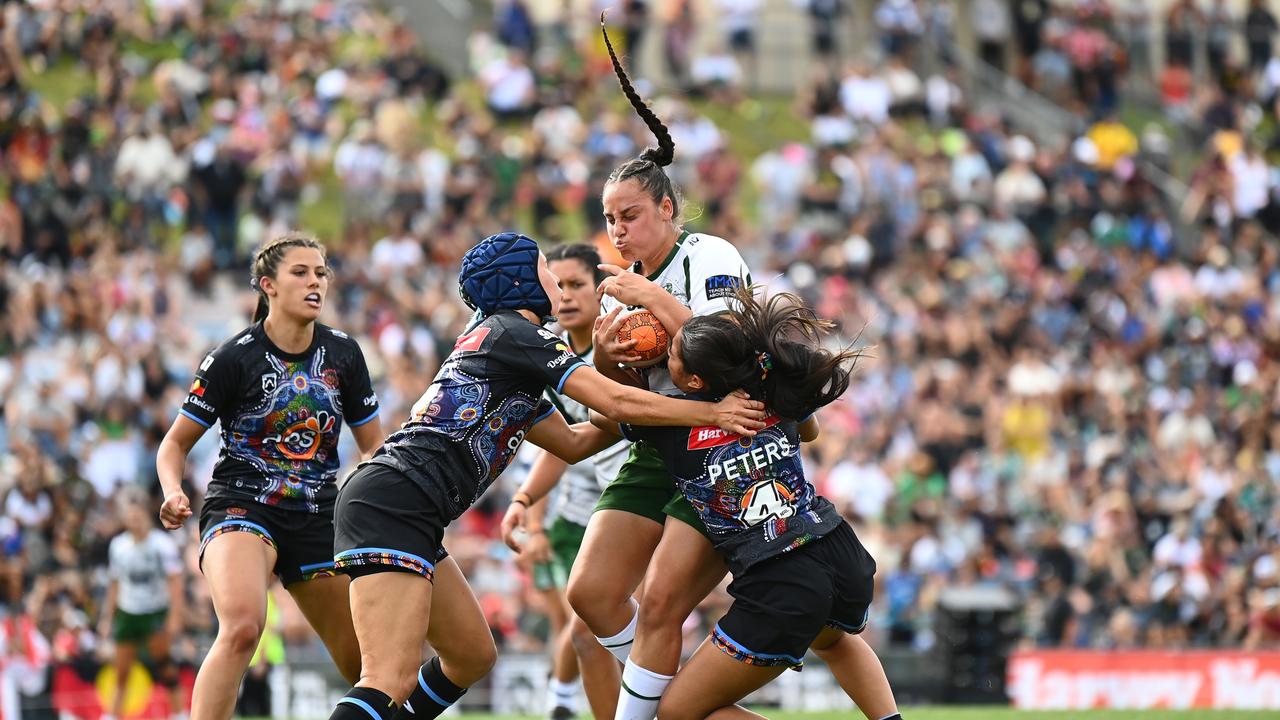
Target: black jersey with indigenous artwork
751	493
467	426
280	415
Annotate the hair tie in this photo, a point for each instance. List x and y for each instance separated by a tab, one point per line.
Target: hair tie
765	361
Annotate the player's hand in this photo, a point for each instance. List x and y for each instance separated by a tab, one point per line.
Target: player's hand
510	522
627	287
604	338
738	413
537	549
175	510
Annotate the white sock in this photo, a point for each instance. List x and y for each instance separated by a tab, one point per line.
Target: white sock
620	644
563	694
641	691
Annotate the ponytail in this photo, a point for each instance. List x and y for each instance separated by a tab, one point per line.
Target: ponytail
646	169
772	350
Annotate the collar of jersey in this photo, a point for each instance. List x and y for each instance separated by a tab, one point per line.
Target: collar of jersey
670	256
261	333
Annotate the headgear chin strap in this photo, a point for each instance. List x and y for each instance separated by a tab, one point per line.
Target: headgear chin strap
501	273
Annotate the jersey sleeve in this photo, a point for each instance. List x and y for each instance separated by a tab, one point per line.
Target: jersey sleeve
542	354
214	387
113	559
544	411
359	401
716	271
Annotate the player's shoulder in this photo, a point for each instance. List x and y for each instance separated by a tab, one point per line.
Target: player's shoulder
231	352
703	244
334	337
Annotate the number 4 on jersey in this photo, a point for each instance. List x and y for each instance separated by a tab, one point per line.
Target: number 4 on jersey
766	500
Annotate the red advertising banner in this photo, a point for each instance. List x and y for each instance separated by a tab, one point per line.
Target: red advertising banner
1066	679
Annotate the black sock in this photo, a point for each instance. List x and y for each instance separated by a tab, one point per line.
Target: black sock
362	703
433	694
895	716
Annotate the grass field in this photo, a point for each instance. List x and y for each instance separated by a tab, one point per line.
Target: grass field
939	712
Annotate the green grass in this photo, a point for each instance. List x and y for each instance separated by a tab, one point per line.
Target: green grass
994	713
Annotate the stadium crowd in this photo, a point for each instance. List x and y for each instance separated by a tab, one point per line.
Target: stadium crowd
1071	389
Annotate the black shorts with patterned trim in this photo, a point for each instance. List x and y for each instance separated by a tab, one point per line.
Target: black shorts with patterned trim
385	522
303	541
781	604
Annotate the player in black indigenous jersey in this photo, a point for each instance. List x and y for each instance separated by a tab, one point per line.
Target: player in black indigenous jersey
280	391
487	398
801	578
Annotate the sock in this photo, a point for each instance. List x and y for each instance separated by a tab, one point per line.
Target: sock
895	716
362	703
620	644
563	694
433	694
641	691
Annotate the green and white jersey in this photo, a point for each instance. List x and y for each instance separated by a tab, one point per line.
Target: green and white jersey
143	569
702	272
580	486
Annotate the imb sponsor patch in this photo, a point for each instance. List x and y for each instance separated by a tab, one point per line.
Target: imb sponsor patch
722	286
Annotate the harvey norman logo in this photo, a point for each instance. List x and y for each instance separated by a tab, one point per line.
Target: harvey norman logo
709	436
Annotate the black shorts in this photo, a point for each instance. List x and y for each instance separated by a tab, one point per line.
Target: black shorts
386	522
303	541
782	604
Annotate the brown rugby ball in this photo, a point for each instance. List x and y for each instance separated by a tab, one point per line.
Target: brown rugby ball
652	339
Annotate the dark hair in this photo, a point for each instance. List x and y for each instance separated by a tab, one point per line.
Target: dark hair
267	262
771	349
646	169
583	253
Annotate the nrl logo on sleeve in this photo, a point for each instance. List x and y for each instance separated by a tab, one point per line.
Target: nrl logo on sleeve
248	338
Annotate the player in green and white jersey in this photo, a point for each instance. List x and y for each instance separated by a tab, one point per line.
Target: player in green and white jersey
641	521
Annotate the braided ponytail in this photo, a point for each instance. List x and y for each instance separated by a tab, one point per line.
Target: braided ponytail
646	169
666	150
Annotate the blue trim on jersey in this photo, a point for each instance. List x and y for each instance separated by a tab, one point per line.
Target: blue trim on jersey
362	705
567	373
389	551
315	566
422	683
358	423
543	416
767	656
182	411
242	523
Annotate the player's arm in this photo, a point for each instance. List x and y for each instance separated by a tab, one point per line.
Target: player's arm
735	413
109	605
528	506
605	424
571	443
368	437
171	461
809	429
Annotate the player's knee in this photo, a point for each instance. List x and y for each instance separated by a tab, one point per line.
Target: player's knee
584	641
662	607
587	603
241	635
468	670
